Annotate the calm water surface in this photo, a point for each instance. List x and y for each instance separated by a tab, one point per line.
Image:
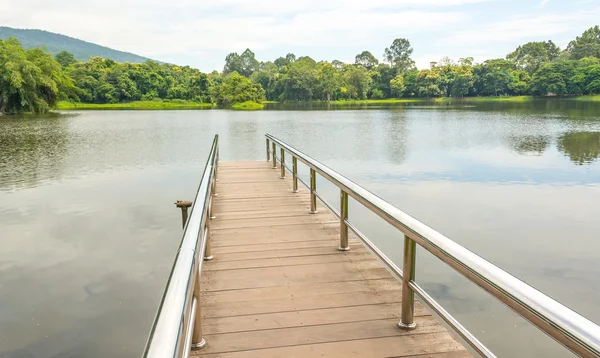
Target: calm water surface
88	227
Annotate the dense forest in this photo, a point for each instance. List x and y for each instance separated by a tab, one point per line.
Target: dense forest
33	81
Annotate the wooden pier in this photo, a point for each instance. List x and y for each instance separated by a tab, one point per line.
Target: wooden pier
279	287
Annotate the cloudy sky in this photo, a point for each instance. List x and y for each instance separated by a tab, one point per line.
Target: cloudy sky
200	33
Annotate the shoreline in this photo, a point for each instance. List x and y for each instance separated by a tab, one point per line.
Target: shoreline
181	105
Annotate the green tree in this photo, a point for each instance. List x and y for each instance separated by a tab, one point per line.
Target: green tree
531	56
586	45
290	57
237	89
233	63
411	84
30	80
463	81
382	75
493	77
397	86
428	83
520	82
398	54
358	81
366	59
329	79
65	59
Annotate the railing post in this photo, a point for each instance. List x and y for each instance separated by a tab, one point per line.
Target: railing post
213	193
198	341
295	174
343	217
282	163
313	189
268	153
208	250
407	320
184	205
274	155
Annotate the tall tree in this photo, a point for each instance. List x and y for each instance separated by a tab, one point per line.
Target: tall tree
245	65
249	63
30	80
290	57
586	45
233	63
398	54
531	56
65	58
397	86
366	59
329	79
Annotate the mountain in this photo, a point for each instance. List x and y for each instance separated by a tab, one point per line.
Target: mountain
54	43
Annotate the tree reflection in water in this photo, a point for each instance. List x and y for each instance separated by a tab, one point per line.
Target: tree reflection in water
530	144
581	147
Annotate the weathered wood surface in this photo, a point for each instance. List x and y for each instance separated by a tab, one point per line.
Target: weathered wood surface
278	286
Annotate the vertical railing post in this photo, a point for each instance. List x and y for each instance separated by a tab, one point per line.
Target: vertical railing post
208	249
216	174
295	174
282	163
343	217
274	155
213	193
268	152
313	189
198	341
407	320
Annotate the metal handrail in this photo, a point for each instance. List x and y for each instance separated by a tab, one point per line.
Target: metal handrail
177	326
566	326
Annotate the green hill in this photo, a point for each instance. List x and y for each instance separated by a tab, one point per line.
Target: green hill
54	43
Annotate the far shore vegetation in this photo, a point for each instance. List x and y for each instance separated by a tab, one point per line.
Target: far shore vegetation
35	81
156	104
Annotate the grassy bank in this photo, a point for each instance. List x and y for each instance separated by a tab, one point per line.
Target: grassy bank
141	105
248	106
595	98
438	100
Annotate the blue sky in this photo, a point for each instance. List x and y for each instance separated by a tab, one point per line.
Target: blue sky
200	33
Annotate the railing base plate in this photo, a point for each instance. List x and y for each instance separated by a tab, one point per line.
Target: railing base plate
407	327
199	346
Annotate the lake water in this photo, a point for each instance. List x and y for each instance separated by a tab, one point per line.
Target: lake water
89	231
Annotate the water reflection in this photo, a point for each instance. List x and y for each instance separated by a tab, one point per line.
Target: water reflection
581	147
88	229
31	149
530	144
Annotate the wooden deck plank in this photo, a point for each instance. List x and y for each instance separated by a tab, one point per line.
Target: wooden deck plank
279	287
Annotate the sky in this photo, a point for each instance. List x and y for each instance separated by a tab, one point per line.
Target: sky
201	33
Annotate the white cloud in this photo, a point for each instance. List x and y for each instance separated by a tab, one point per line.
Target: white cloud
541	27
201	33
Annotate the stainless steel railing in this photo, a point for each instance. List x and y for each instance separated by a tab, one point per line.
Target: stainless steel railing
177	327
566	326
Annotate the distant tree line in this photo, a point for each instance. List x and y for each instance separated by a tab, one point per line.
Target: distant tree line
536	68
33	81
